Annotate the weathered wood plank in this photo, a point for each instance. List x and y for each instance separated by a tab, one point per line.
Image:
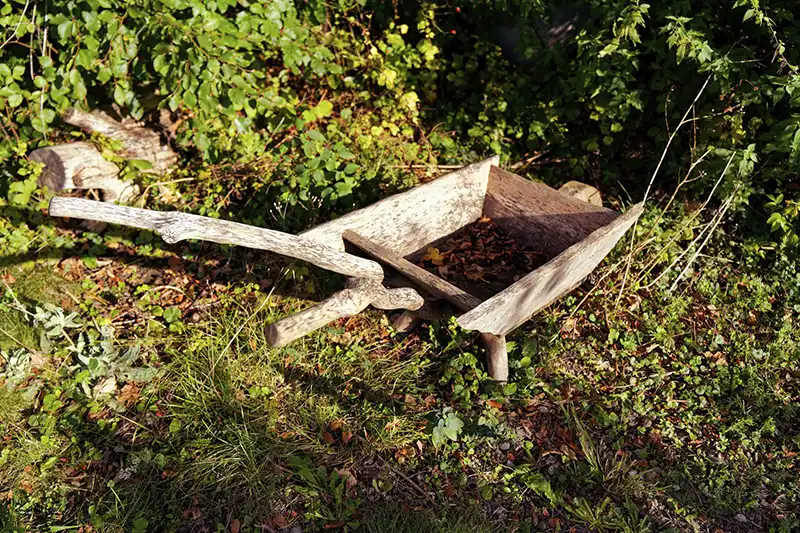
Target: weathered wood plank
357	295
176	226
507	310
407	221
539	216
427	281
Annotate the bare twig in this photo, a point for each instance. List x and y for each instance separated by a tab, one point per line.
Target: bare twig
16	27
714	223
652	179
694	216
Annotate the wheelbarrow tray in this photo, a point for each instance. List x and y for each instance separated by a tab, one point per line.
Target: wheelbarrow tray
577	235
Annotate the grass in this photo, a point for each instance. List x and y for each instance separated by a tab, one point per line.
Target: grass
667	412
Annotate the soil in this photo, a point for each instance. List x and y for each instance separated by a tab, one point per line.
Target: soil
480	258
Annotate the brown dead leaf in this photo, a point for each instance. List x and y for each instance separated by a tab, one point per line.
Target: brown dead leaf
129	394
175	263
328	438
236	525
280	522
346	436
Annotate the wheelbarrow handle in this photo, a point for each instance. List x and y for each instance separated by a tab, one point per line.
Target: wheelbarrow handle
357	295
176	226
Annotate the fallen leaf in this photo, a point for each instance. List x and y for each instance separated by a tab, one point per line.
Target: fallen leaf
280	522
129	394
346	436
235	525
106	386
434	256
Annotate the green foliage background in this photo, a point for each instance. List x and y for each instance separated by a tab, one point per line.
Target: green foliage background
332	97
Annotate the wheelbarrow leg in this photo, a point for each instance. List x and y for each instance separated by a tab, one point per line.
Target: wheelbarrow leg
496	356
406	321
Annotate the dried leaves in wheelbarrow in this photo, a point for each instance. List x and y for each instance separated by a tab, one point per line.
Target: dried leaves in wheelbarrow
480	258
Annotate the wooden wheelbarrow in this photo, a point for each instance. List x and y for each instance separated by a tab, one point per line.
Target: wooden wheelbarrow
371	246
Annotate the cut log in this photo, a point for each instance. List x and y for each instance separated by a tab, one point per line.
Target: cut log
405	322
583	192
137	141
427	281
175	226
80	165
357	295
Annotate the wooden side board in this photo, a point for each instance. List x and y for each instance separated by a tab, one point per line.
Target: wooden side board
407	221
539	216
518	303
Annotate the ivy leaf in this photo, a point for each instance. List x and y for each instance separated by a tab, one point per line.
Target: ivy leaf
344	153
315	135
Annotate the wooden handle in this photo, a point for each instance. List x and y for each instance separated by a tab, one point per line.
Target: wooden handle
358	294
175	226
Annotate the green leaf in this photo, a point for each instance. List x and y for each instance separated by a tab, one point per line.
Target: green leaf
344	153
172	314
237	96
14	100
204	41
189	99
315	135
324	109
140	164
119	95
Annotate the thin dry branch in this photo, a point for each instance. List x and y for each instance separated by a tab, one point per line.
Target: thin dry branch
652	179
